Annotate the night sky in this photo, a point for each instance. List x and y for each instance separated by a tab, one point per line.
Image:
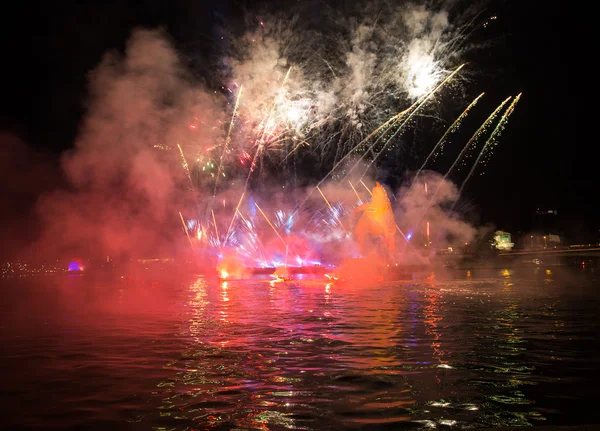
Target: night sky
537	164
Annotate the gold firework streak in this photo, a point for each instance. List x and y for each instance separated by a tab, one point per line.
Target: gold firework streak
186	231
450	129
477	134
228	138
233	218
186	168
492	139
332	210
355	192
215	224
271	224
423	100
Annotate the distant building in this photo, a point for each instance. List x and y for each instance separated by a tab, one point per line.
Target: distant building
553	239
549	225
546	219
502	240
541	240
540	212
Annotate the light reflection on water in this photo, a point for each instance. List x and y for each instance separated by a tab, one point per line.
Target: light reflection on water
508	348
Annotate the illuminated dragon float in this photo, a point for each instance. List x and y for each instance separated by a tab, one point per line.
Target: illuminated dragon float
377	219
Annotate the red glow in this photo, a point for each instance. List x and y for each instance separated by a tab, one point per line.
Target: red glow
231	268
277	280
75	266
361	271
282	273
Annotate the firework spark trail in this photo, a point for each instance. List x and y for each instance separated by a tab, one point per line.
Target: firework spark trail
186	167
475	136
233	217
373	133
391	120
301	141
491	140
261	146
268	124
283	221
269	118
215	225
366	188
254	237
450	129
271	224
201	234
406	120
332	211
227	139
355	192
504	120
186	231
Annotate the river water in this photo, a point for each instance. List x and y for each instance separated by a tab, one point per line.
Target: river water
464	349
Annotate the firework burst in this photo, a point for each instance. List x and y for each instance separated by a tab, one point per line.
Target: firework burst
333	99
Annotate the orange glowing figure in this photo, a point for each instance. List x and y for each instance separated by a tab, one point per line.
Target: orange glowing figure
377	219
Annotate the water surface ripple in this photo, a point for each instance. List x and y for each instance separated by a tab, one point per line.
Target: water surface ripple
499	349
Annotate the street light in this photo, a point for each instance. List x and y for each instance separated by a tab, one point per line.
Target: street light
545	244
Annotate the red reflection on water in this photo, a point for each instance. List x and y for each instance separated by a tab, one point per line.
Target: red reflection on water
433	311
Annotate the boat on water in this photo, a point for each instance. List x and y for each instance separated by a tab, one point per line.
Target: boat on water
75	271
75	267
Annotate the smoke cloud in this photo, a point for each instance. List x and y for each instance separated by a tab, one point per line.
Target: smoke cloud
125	178
430	200
164	164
